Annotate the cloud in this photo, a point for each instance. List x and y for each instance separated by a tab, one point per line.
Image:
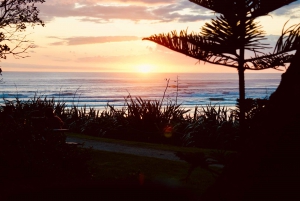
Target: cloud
165	56
182	11
162	61
105	11
140	2
90	2
54	68
58	43
97	59
101	12
93	40
292	10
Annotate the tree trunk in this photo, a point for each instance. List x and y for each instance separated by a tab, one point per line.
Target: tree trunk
268	167
241	72
242	96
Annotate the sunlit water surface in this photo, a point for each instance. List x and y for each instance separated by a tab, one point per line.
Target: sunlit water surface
97	89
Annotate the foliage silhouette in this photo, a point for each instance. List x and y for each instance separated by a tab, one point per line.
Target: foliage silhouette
225	40
15	15
29	150
267	167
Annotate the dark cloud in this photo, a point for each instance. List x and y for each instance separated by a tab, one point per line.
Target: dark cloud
100	12
287	10
149	2
172	12
94	11
91	2
93	40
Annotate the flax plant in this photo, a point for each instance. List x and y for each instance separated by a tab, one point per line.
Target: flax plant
150	118
213	127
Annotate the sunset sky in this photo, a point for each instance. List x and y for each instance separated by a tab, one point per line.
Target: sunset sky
106	35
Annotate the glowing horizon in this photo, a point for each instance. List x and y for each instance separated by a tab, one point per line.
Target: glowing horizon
106	36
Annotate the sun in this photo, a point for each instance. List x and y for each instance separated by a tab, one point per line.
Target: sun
145	68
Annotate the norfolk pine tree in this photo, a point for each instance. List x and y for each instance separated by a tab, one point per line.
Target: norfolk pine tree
225	39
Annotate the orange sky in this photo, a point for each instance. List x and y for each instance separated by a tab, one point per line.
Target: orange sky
106	35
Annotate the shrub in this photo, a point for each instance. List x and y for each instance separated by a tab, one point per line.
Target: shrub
109	123
149	121
211	127
30	151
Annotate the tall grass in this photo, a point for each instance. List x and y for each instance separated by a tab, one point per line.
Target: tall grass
158	121
149	119
211	126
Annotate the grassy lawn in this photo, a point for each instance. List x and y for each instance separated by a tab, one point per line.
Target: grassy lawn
115	174
108	167
119	176
116	167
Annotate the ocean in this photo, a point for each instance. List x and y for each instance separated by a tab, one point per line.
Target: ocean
97	89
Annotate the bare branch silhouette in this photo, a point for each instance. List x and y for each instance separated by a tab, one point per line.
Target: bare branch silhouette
15	16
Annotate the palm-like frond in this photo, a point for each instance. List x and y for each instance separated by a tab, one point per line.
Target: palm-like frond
253	8
196	46
219	40
266	61
289	39
227	33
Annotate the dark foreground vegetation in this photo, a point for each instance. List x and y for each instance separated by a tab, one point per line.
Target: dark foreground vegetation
142	120
31	153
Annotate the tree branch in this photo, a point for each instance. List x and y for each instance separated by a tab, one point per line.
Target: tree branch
14	16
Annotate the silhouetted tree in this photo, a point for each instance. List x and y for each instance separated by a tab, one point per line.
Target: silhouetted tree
267	168
225	40
15	15
289	88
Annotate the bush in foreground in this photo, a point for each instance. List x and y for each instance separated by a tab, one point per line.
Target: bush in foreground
28	151
148	121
